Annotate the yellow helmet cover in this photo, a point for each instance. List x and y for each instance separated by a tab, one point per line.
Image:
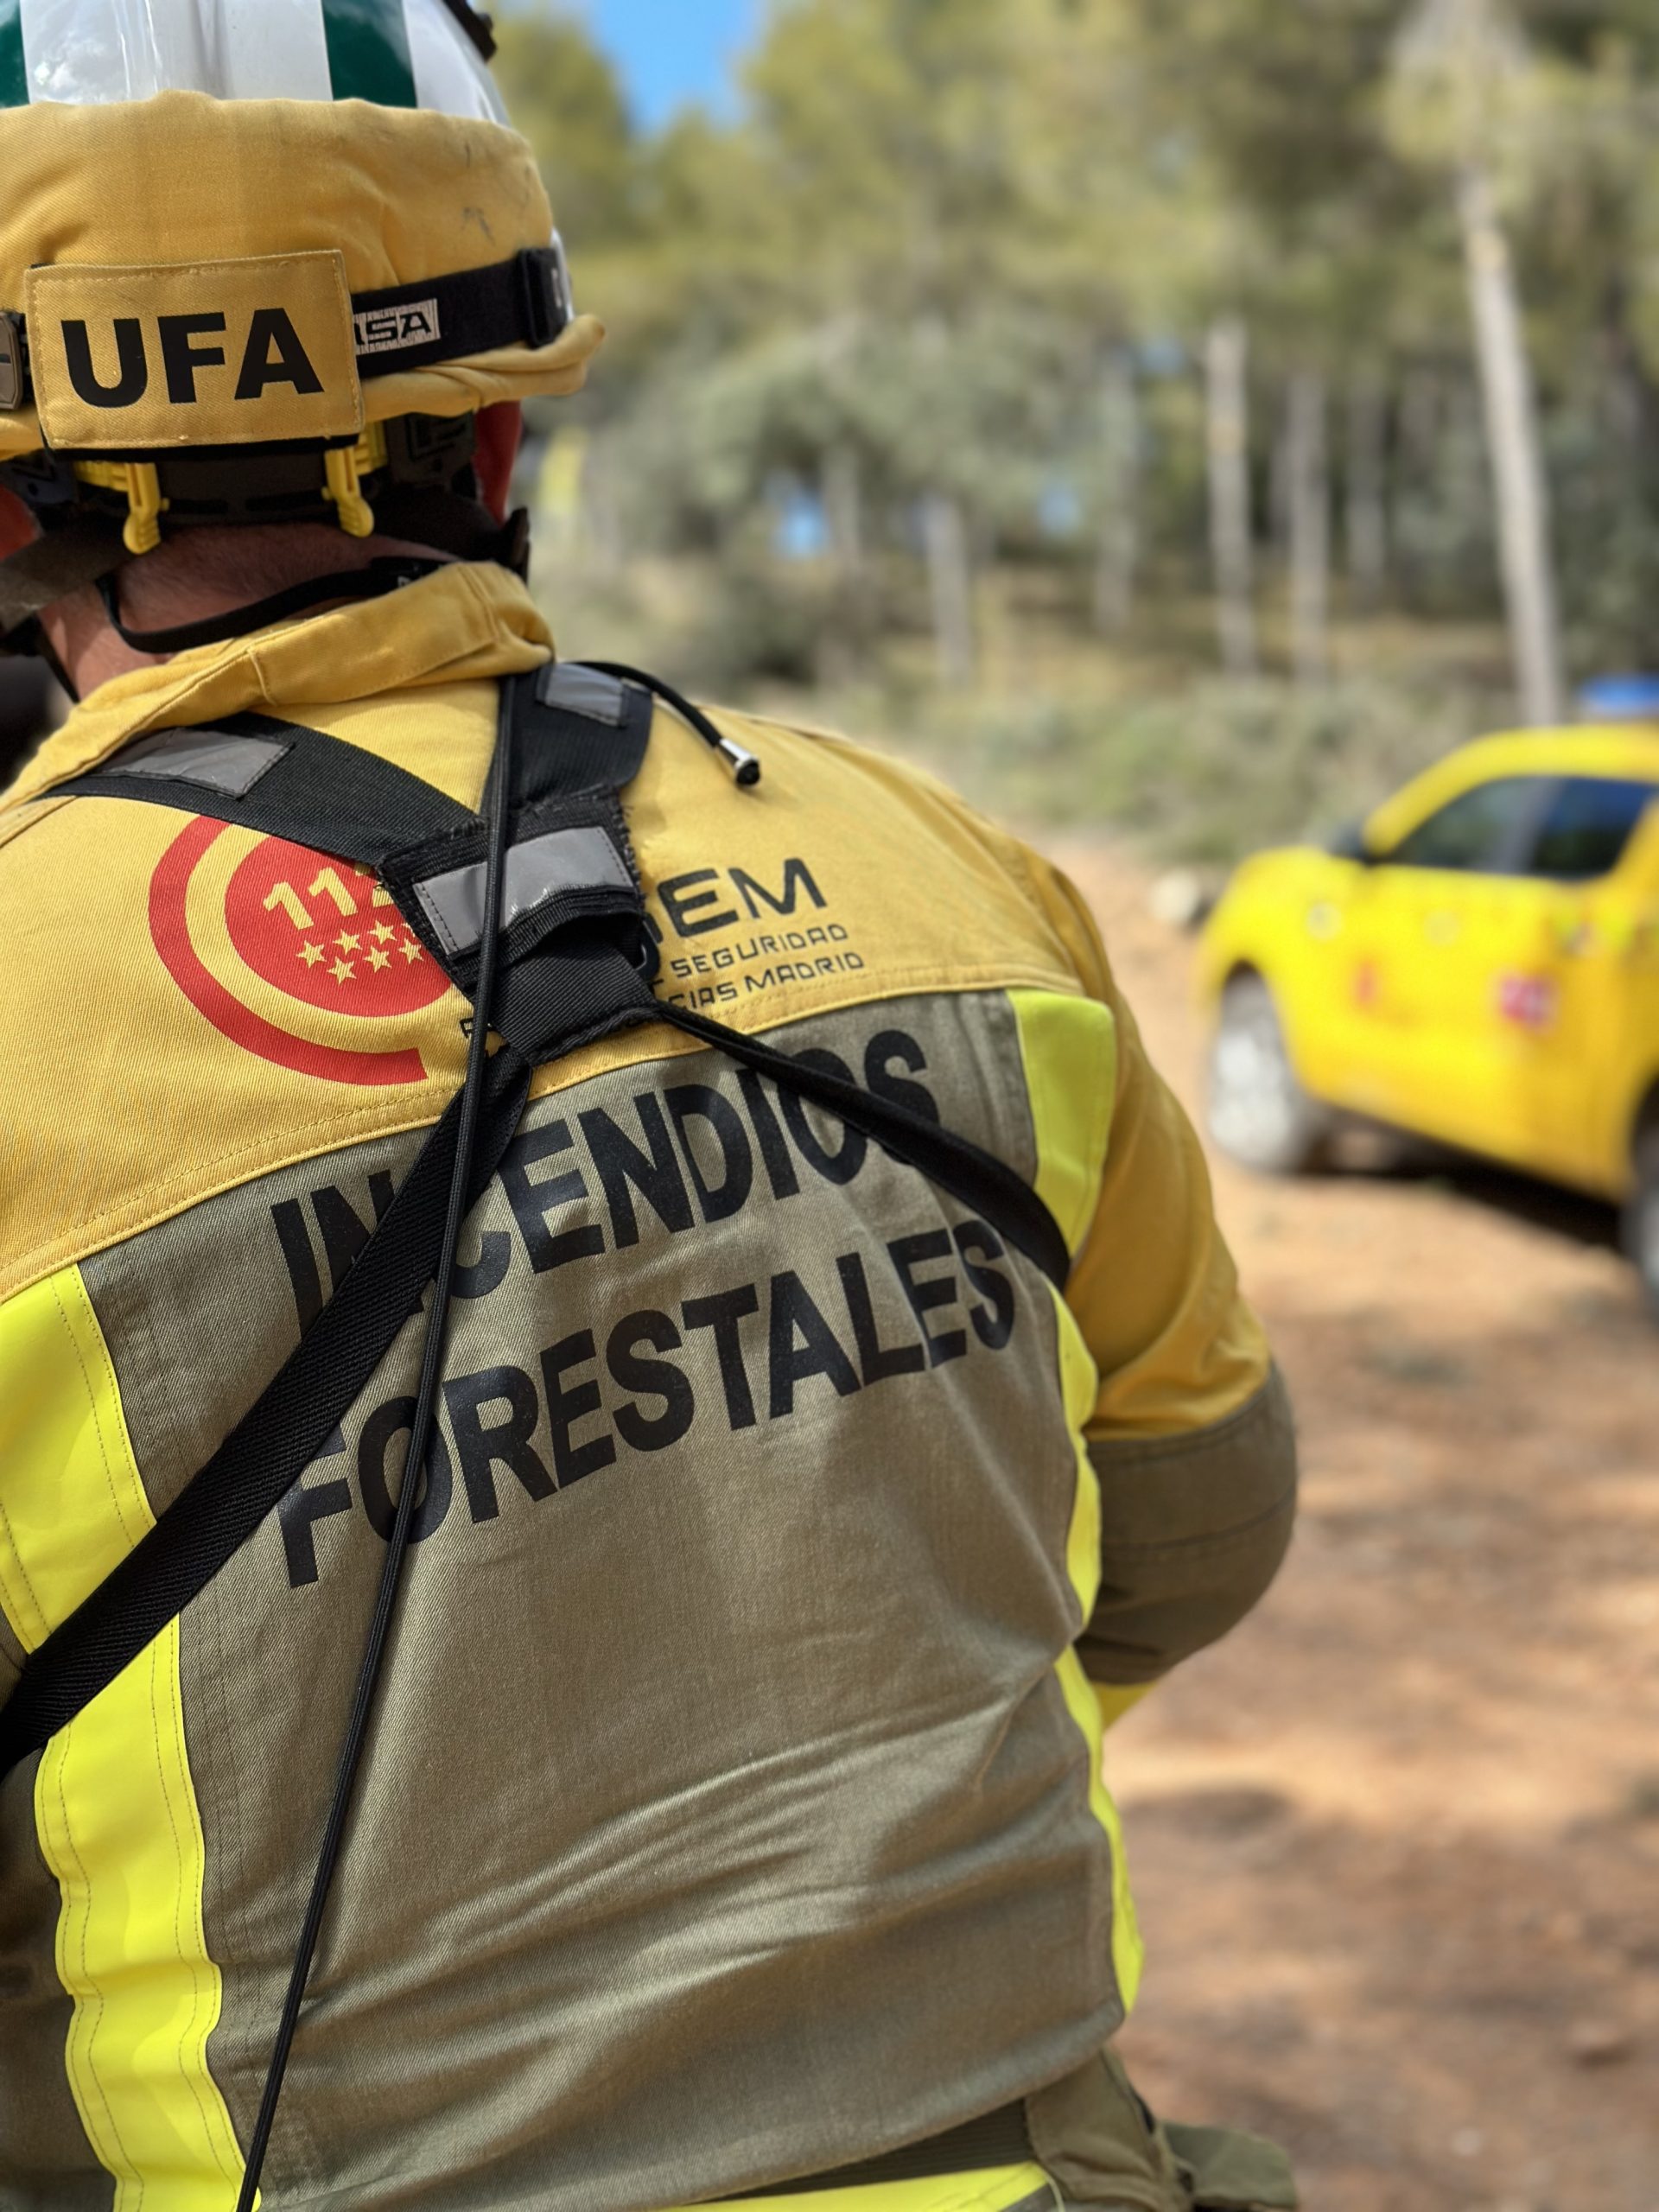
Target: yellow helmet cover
192	272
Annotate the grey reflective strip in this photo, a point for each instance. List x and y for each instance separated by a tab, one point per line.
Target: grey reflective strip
14	67
581	691
231	764
564	860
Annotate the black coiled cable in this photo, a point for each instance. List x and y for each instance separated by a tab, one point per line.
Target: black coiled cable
497	811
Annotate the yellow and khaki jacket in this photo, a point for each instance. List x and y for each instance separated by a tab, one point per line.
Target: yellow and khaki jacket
733	1810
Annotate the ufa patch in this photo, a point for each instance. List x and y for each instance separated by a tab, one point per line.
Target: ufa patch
194	353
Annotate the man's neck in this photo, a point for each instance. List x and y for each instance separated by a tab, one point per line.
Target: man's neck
198	578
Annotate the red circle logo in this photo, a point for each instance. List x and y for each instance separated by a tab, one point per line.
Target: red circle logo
316	929
326	933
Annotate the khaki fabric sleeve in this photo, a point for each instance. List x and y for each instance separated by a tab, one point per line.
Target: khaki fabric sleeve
1192	1436
1194	1527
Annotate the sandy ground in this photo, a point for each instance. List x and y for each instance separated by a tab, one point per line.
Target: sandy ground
1396	1843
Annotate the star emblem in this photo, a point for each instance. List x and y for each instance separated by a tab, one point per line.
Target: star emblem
343	971
347	943
311	955
378	960
382	934
411	950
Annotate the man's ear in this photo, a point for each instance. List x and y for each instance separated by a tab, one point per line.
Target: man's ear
16	525
500	431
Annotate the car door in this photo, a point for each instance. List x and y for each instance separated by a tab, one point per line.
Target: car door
1425	937
1574	986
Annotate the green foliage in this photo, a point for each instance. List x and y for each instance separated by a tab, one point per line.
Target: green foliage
911	268
1215	769
564	95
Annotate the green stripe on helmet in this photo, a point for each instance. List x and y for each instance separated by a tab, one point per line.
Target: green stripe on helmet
368	51
14	69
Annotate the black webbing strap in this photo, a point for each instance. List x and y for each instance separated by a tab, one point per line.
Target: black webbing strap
426	514
285	780
524	301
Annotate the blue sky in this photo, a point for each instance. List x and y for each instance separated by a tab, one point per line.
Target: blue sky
672	51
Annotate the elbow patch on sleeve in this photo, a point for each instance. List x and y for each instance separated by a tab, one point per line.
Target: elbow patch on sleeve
1194	1529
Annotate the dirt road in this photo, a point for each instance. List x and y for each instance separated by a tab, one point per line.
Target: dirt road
1396	1843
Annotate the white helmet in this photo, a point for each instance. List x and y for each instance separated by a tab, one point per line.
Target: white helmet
423	53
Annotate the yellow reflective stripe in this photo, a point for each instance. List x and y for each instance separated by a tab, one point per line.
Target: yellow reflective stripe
1080	1382
1000	2188
119	1828
115	1807
71	1506
1069	1049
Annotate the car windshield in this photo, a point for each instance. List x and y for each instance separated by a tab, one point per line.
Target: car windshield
1482	830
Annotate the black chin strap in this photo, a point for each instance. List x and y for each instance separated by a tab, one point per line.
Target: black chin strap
462	528
375	582
89	550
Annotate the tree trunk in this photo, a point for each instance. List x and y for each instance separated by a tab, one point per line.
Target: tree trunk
1308	469
845	634
951	582
1416	469
1227	366
1513	442
1280	494
843	513
1626	399
1366	501
1117	554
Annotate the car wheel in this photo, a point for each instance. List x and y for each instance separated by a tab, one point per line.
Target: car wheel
1259	1113
1642	1218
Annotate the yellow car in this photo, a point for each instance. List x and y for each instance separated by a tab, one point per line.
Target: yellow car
1477	964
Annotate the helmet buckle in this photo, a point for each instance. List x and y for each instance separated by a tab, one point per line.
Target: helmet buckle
545	291
345	488
14	363
140	483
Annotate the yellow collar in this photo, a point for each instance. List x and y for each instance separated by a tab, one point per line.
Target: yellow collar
466	620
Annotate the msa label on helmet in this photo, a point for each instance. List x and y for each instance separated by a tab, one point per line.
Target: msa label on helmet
388	330
198	353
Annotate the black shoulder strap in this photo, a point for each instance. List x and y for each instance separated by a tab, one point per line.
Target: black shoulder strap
574	967
283	780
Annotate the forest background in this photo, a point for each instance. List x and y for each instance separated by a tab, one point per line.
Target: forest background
1193	413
